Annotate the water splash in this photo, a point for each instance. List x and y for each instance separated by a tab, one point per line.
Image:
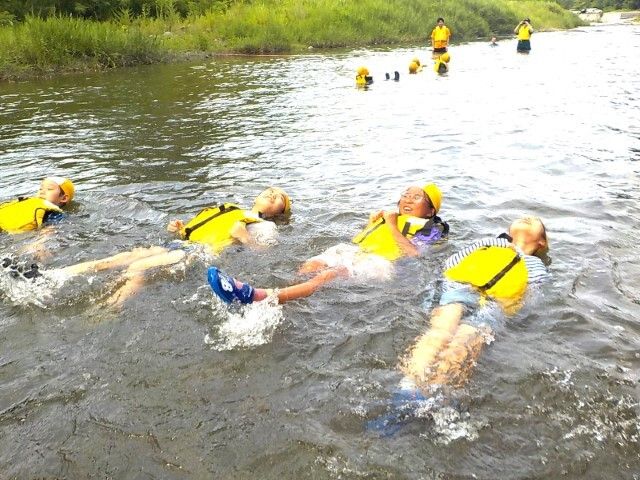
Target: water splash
248	326
40	291
591	414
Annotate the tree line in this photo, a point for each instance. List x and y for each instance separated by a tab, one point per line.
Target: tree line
107	9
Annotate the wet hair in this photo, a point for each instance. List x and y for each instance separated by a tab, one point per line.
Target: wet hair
543	251
439	18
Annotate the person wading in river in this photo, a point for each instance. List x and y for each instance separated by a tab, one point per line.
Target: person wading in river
440	36
524	30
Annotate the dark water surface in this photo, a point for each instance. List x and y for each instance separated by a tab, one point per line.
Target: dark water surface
174	386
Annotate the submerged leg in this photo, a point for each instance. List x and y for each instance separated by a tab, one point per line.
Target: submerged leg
115	261
312	265
455	362
422	356
134	275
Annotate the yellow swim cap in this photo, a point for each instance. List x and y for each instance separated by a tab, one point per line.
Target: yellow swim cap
66	185
362	71
434	194
445	57
413	67
416	60
285	199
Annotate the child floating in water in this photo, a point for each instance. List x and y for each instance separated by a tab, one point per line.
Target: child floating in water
24	214
388	236
499	269
215	228
441	65
363	78
35	213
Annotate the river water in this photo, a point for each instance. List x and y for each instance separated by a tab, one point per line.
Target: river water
175	386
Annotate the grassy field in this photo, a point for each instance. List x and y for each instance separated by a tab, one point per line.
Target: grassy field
59	44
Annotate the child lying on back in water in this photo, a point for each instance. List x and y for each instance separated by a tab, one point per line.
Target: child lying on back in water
499	269
26	214
215	228
31	213
388	236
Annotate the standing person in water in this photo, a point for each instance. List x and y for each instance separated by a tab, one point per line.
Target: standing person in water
214	228
389	235
440	36
524	30
498	269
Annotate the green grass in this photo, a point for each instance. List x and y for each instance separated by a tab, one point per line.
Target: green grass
65	43
40	46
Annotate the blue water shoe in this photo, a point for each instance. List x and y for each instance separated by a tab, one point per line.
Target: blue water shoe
225	287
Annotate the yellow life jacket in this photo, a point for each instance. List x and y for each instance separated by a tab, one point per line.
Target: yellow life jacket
524	33
498	272
212	226
440	67
440	37
377	237
25	214
363	80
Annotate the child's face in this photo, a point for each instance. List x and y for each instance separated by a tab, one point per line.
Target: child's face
440	23
414	202
270	203
528	233
51	191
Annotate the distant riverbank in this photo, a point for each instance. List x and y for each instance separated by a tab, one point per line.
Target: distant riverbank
55	45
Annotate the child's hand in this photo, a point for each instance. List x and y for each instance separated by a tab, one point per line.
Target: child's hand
240	233
390	217
375	216
175	226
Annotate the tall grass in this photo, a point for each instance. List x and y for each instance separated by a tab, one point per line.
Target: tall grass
259	26
64	43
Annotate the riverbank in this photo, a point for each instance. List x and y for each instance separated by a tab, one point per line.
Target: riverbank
45	47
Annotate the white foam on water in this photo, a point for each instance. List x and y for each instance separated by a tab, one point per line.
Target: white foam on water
448	422
449	425
40	291
593	415
250	326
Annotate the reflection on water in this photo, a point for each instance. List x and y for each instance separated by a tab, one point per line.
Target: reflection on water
176	386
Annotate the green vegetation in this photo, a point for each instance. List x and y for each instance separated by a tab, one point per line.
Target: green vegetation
601	4
61	42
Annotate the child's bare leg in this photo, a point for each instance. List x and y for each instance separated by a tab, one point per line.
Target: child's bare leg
119	260
307	288
312	265
444	322
300	290
456	360
134	275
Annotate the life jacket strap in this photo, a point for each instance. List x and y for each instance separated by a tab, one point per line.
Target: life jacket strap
222	209
498	276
